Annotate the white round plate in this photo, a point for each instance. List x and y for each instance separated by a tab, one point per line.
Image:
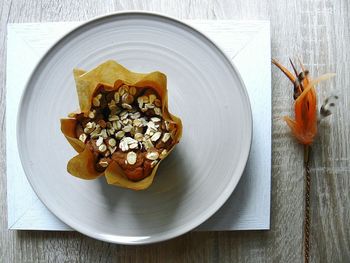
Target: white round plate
205	90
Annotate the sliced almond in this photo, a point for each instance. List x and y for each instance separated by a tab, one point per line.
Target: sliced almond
149	106
140	102
117	125
90	125
137	123
154	163
99	141
151	125
131	157
152	155
155	119
155	137
138	136
148	144
163	154
123	89
129	140
103	163
104	134
166	125
127	98
89	128
123	115
152	98
112	142
113	118
92	114
127	128
134	145
132	91
102	148
126	106
157	111
145	99
111	103
83	137
96	102
144	122
116	97
96	132
110	131
136	115
119	134
123	146
166	137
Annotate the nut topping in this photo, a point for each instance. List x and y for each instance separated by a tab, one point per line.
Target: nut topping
92	114
116	97
127	127
113	118
99	141
155	119
112	142
158	111
103	162
126	106
152	97
156	136
166	137
96	102
148	144
119	134
163	154
83	137
132	91
152	155
138	137
154	163
131	158
127	98
102	148
89	128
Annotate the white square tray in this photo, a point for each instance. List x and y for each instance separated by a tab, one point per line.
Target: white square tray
246	42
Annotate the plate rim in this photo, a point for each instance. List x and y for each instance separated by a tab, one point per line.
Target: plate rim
214	206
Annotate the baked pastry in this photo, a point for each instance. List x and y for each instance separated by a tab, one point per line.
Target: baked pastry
123	129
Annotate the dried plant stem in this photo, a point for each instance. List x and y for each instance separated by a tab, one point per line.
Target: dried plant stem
307	149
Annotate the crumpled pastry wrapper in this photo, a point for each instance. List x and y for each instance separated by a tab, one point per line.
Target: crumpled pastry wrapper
111	75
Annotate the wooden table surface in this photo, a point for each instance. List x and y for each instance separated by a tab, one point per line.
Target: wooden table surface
316	30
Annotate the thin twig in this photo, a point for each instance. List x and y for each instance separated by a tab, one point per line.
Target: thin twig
307	149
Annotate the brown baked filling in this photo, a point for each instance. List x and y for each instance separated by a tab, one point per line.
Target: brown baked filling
126	126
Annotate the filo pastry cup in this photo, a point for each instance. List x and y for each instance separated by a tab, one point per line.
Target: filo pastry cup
111	76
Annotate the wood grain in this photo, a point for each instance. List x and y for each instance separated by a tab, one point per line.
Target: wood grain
319	32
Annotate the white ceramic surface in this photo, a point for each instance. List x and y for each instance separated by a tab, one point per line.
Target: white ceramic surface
205	90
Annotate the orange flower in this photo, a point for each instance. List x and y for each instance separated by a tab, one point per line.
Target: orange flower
304	125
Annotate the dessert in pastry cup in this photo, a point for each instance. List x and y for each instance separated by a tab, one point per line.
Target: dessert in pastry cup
123	129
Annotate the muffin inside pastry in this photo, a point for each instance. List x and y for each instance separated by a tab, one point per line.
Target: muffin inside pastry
126	125
123	129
